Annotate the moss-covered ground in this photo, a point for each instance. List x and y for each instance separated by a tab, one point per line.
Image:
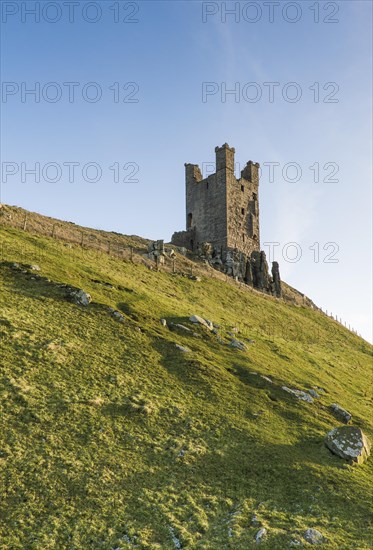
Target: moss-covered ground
113	438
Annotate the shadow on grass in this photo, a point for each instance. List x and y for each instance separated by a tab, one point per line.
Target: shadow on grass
289	484
31	284
191	368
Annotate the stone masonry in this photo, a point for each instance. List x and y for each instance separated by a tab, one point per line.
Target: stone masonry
221	209
222	221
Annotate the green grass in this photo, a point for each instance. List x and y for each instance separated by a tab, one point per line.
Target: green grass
112	438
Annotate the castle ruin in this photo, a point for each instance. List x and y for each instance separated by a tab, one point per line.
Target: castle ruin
222	221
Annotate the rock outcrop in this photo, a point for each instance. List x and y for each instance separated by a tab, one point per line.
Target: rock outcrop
276	281
252	270
156	251
300	394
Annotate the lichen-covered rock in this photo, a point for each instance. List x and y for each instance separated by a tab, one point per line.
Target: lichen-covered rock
182	348
156	248
80	297
260	535
182	327
349	443
199	320
237	344
313	536
340	413
299	394
118	316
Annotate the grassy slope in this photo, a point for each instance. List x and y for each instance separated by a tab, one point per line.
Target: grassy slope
112	438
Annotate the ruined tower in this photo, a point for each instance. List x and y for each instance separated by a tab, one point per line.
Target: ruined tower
222	222
221	209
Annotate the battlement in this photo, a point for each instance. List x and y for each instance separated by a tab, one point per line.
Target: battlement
251	171
224	157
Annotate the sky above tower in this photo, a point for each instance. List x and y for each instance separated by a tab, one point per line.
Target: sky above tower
103	103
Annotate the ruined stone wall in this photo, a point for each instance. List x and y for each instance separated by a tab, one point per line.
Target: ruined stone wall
184	238
243	210
222	220
206	207
222	209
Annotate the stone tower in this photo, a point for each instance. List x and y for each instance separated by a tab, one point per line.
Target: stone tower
221	209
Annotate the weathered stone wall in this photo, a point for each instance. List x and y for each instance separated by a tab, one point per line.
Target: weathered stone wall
222	220
222	209
184	238
243	210
206	207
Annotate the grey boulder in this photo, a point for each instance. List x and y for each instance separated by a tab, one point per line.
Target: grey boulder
260	535
182	348
349	443
80	297
237	344
313	536
340	413
200	321
299	394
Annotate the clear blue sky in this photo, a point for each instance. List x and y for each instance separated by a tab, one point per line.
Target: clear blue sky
169	53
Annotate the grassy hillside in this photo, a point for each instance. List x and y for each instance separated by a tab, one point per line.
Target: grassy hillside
113	438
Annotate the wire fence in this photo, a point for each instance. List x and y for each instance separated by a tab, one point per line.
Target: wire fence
81	240
70	234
